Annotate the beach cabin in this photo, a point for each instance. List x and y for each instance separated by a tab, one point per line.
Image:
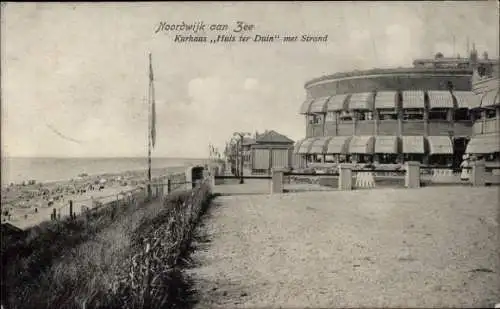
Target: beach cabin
271	150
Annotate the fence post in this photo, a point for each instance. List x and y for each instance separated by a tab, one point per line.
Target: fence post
71	209
477	176
412	176
277	180
345	177
212	181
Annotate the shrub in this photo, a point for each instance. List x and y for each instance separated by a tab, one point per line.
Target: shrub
96	261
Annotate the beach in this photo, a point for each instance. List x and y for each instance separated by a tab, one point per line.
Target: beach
28	203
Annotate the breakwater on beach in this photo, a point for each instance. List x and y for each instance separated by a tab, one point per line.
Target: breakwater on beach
17	169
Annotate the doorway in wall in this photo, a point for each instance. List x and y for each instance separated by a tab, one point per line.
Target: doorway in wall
459	146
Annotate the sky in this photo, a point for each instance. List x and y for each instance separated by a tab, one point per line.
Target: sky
74	77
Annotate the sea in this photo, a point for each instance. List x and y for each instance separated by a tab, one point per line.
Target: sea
17	169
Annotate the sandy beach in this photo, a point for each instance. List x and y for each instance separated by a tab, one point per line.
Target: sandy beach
429	247
26	205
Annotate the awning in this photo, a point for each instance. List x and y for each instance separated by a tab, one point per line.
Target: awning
296	148
361	101
361	144
440	99
440	145
338	145
483	144
385	100
413	144
490	98
319	105
304	108
467	99
413	99
319	145
386	144
306	145
336	103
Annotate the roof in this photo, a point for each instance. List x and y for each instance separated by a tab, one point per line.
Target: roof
273	137
389	71
248	141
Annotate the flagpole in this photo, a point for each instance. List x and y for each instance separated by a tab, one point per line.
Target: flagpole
149	128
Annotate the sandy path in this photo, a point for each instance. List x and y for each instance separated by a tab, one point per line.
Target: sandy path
428	247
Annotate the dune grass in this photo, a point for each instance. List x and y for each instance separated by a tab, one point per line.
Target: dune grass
111	259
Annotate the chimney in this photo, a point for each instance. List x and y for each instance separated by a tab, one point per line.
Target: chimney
473	56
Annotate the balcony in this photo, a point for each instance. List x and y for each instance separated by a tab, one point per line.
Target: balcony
365	127
387	127
413	127
345	128
330	128
439	127
491	126
477	127
462	128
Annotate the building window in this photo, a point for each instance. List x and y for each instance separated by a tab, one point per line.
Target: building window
476	114
346	116
461	114
485	70
388	158
439	159
331	116
362	115
387	114
491	113
438	114
413	114
413	157
318	158
315	119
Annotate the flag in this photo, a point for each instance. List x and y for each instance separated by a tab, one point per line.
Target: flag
153	107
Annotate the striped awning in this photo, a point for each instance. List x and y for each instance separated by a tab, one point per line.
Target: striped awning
319	105
319	146
361	101
440	145
413	144
483	144
490	98
338	145
306	145
304	108
297	146
385	100
467	99
386	144
413	99
336	103
440	99
361	144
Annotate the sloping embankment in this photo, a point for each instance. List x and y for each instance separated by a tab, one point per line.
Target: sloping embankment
132	263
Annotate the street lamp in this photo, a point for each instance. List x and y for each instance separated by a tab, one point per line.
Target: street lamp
241	135
233	155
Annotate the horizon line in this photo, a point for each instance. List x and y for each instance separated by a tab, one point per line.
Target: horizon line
97	157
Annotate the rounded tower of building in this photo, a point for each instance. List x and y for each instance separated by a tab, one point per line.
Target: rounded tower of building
388	116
